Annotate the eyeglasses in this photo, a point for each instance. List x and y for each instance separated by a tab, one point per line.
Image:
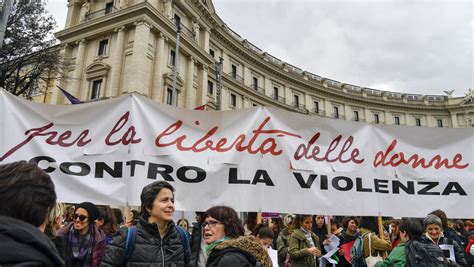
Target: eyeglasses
211	223
81	217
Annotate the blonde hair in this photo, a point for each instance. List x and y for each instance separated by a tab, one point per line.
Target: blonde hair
56	211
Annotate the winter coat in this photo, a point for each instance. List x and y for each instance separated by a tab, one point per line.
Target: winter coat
299	249
345	238
23	244
396	258
149	250
451	234
282	246
243	251
378	245
458	251
322	235
196	239
98	246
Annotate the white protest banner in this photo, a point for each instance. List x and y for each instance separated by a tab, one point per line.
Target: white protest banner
258	159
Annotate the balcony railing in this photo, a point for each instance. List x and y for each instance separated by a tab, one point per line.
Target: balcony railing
299	106
317	111
236	77
278	98
259	89
100	13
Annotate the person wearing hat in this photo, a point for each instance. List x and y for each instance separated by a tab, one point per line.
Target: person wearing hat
83	243
434	233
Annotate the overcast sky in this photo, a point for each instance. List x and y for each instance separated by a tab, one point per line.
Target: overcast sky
412	46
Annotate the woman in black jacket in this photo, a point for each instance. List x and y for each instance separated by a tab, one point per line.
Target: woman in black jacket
226	245
157	242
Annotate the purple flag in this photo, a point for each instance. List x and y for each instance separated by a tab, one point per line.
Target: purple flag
70	97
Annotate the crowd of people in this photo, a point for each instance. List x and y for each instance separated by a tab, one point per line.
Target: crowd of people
38	231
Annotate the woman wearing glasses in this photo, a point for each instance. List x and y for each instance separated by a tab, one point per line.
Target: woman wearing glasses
83	243
226	245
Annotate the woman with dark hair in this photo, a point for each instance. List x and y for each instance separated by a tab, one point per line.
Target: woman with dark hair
320	229
409	229
304	244
368	229
226	245
347	239
157	240
82	242
276	226
283	239
107	222
250	223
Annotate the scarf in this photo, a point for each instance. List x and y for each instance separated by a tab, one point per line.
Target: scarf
215	243
431	239
308	237
80	247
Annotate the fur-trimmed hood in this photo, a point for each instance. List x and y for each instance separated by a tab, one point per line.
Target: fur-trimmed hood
250	245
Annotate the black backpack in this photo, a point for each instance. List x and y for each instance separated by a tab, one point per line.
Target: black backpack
421	253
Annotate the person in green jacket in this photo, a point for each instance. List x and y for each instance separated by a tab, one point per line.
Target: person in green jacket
304	244
397	258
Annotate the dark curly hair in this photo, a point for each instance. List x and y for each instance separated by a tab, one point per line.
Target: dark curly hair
233	227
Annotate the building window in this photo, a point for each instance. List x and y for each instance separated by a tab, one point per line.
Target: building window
275	93
212	53
397	120
418	121
210	88
109	7
169	96
234	71
296	100
316	107
255	83
233	100
172	57
376	118
356	115
177	20
96	85
336	112
440	123
103	47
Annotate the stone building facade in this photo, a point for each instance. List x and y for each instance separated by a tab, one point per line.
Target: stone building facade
114	47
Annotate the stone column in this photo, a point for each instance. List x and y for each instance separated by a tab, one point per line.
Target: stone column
77	76
430	120
189	89
368	115
328	108
202	97
454	120
160	59
347	112
288	95
71	6
116	72
139	79
388	118
205	45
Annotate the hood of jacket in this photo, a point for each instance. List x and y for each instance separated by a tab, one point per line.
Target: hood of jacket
250	245
24	243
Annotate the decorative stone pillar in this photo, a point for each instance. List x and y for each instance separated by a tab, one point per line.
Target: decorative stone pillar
388	117
157	89
189	90
368	115
205	45
328	108
116	76
430	120
139	80
168	4
78	70
202	93
454	120
347	112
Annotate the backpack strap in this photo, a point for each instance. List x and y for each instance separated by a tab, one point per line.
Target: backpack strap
130	243
184	238
370	245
